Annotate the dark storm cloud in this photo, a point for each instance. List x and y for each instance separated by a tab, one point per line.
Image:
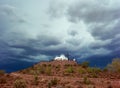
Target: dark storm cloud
82	28
97	11
48	40
107	31
27	48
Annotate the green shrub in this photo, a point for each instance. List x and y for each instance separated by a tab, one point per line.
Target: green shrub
93	70
41	70
81	71
89	70
105	69
115	65
69	70
54	82
94	75
19	83
2	72
86	81
97	70
32	72
48	70
49	85
36	79
85	64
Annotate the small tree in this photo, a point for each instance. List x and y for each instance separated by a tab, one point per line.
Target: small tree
48	71
115	65
19	83
36	79
54	81
86	81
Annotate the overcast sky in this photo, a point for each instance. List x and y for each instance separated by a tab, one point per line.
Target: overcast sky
33	30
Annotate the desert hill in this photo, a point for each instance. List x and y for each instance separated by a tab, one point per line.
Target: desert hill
61	74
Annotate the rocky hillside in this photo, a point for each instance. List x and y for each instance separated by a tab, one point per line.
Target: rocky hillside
61	74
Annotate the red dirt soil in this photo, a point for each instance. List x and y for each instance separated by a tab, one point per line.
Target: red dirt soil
64	79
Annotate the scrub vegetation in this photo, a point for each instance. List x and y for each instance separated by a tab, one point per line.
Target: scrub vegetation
63	74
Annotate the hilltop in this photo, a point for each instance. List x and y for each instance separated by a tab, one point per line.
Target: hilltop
61	74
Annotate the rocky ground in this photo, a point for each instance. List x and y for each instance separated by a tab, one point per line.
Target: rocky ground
60	74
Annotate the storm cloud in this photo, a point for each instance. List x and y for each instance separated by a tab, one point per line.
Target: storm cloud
35	30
